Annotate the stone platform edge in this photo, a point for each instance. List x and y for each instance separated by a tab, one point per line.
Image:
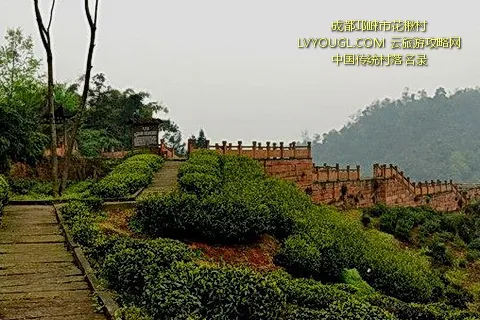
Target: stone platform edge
109	306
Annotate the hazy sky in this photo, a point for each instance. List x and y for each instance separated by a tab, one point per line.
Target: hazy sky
234	67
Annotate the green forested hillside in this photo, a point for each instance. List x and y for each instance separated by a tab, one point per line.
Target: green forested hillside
435	137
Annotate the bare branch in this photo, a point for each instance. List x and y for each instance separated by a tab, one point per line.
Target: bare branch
96	12
51	16
44	35
89	15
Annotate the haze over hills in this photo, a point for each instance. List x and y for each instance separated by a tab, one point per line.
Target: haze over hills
435	137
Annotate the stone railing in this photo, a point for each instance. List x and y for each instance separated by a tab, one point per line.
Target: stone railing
258	151
417	188
335	173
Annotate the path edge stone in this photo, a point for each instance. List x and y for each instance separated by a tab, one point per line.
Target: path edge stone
110	307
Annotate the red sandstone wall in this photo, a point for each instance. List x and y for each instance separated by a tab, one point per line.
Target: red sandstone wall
357	193
349	191
473	194
296	170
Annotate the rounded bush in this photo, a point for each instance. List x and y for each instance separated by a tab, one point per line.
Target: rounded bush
125	179
200	184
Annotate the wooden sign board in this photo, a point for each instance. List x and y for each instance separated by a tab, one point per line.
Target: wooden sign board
145	135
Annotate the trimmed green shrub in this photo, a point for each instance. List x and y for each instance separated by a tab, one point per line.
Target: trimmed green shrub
475	244
377	210
155	162
230	216
439	251
199	183
330	243
353	278
408	311
73	209
308	293
4	190
211	292
294	312
132	313
457	296
223	199
130	263
134	173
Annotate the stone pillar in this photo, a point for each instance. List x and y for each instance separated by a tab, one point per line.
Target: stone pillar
224	147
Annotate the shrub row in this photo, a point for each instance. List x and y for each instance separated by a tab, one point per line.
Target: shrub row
401	221
222	199
229	199
163	278
159	275
327	243
427	228
408	311
192	291
129	176
4	190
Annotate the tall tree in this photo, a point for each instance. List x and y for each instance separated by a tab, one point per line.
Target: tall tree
201	140
47	45
109	114
173	137
92	20
21	96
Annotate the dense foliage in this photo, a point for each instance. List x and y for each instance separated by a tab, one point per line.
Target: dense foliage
423	227
164	279
327	243
443	127
125	179
21	99
221	199
23	115
228	198
108	119
4	190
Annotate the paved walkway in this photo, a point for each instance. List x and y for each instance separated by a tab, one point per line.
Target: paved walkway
38	276
165	179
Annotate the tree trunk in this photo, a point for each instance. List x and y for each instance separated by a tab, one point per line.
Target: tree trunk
46	41
53	126
92	22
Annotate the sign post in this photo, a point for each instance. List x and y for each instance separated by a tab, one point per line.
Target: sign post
145	133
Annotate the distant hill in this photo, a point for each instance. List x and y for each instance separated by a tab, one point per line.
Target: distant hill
434	137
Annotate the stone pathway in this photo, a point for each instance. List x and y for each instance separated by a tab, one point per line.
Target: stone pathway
38	275
165	179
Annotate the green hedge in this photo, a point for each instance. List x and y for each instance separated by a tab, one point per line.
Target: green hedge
191	291
225	217
163	279
4	190
408	311
130	263
327	243
223	199
134	173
